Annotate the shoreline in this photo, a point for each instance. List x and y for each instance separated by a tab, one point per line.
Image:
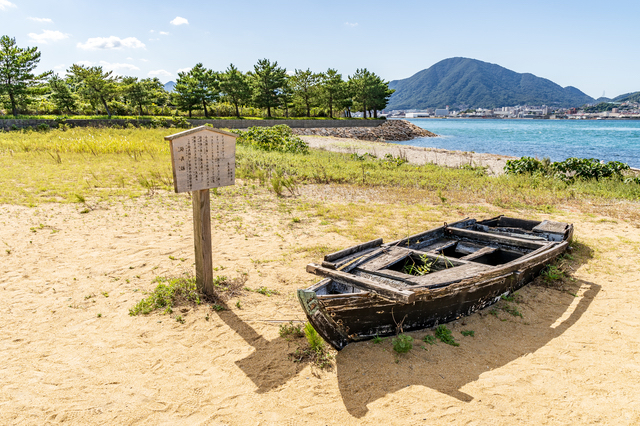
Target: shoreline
415	155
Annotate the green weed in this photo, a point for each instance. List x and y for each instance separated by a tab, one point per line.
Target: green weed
468	333
313	338
168	293
291	330
445	336
429	339
402	343
512	310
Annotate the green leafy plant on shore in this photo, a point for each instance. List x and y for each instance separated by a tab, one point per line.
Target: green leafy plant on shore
402	343
445	336
570	169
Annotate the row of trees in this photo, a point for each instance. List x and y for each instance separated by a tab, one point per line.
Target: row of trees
267	87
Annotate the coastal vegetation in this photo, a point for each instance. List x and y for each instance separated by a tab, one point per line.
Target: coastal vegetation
97	165
266	91
572	169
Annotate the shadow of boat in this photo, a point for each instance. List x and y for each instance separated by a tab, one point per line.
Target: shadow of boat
363	374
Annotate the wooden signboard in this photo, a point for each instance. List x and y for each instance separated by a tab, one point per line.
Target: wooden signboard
202	158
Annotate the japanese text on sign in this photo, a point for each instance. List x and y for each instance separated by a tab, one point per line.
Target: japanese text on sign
203	160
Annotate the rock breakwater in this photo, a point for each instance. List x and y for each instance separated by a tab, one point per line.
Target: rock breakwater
391	130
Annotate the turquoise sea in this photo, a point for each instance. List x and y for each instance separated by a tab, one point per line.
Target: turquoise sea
605	140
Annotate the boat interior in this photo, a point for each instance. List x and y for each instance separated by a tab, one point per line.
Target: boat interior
441	256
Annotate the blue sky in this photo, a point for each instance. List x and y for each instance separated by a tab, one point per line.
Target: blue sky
591	45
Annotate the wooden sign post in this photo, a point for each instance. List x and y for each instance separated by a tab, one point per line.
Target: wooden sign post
202	158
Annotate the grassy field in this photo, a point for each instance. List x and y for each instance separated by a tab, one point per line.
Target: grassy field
99	164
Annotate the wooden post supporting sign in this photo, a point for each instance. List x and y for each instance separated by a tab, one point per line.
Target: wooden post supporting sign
202	158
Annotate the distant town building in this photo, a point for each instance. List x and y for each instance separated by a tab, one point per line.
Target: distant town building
442	112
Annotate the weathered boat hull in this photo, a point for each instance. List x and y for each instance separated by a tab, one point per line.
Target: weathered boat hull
361	315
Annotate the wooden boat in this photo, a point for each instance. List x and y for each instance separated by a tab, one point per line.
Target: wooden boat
375	289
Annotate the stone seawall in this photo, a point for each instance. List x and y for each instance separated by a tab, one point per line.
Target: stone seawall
11	124
392	130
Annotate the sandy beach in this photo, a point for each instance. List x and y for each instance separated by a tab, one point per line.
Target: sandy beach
73	355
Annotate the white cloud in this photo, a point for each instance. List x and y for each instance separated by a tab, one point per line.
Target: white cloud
144	60
117	66
151	31
351	24
159	73
109	66
112	42
47	36
290	73
154	39
129	58
47	20
59	67
164	33
177	21
6	4
184	69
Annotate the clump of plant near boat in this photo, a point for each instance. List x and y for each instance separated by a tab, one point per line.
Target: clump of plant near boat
571	169
402	343
315	351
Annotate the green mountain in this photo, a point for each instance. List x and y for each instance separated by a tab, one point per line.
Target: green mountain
464	81
628	97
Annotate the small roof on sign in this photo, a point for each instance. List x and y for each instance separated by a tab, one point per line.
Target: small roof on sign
198	129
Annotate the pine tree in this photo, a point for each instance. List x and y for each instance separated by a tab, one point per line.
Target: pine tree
94	85
235	87
267	80
16	66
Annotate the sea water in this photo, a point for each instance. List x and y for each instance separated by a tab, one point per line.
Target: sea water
606	140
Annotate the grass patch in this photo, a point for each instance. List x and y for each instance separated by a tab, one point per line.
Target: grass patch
468	333
168	293
263	290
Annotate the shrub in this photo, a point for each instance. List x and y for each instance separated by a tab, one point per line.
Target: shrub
568	170
276	138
